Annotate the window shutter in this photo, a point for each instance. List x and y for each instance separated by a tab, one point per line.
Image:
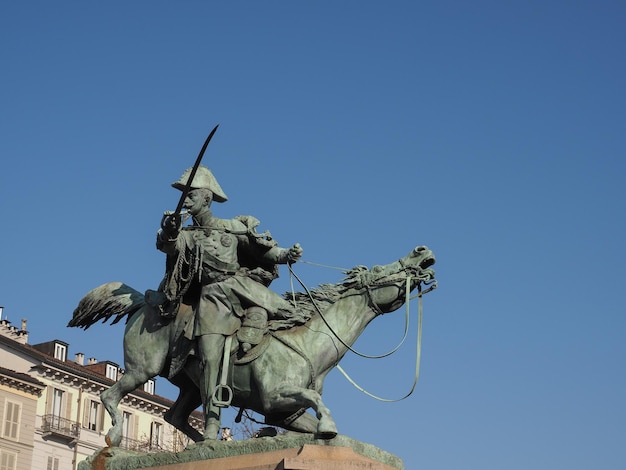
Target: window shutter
6	428
100	417
49	399
11	420
15	419
68	405
53	463
7	460
135	426
86	411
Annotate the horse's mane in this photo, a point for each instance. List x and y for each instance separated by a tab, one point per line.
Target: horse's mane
118	300
305	305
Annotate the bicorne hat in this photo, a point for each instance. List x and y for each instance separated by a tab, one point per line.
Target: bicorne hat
203	179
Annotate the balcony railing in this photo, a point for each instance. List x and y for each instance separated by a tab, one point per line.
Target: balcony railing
140	446
55	425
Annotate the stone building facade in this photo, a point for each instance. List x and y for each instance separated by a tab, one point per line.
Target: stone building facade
50	410
19	394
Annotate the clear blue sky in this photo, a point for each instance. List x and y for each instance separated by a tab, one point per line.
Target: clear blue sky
493	132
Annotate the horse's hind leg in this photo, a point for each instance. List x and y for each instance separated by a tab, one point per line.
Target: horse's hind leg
178	414
305	423
286	397
111	399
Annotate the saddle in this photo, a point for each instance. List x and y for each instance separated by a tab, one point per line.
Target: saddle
236	355
250	342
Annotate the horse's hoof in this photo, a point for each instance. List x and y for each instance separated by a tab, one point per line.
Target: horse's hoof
113	439
210	443
326	430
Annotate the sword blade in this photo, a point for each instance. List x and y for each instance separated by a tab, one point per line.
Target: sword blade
192	175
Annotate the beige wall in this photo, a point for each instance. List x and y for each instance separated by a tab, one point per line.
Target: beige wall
81	387
22	447
10	360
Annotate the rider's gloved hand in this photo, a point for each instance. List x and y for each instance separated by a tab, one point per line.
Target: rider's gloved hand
170	224
294	253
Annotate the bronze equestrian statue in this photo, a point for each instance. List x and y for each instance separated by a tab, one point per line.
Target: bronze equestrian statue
216	330
281	377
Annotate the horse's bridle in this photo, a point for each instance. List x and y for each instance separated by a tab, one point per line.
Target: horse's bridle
407	273
424	276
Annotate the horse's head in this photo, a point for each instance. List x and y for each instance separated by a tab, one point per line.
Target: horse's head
421	259
416	264
384	285
387	283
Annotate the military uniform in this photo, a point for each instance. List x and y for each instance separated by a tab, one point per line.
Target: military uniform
223	267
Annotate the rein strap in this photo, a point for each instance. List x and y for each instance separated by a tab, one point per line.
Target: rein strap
418	355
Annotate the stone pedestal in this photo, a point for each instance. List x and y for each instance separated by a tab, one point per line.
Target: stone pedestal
268	453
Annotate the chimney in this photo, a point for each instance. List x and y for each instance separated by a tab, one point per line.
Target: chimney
1	309
79	358
22	335
91	361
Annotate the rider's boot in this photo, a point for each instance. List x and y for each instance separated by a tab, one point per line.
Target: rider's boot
211	429
211	347
253	327
212	416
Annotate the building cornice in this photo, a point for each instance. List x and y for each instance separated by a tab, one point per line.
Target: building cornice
21	381
79	376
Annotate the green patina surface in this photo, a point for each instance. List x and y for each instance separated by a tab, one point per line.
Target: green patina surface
215	300
120	459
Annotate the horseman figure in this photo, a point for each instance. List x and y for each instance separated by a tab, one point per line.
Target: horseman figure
215	300
221	268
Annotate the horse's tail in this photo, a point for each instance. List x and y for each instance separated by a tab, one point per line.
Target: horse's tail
110	299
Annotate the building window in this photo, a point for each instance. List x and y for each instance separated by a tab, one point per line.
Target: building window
53	463
57	402
156	435
111	372
126	424
60	351
8	460
11	427
93	415
149	387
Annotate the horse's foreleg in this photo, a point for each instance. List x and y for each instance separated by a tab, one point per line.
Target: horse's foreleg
187	401
289	397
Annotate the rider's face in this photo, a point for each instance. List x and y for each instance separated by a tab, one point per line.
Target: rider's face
197	200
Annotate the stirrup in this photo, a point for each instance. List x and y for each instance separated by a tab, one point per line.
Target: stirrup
217	398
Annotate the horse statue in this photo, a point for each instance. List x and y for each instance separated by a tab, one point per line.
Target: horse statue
280	378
